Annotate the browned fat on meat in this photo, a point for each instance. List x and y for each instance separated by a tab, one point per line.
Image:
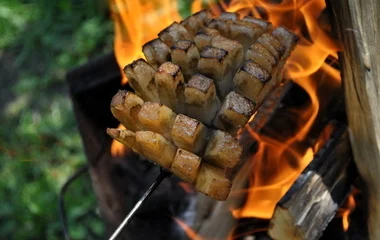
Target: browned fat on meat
157	117
170	86
140	76
174	33
213	182
214	63
202	103
125	106
186	165
223	150
156	52
235	112
126	137
197	21
189	134
185	54
250	80
156	148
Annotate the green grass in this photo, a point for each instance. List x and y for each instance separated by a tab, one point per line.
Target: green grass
39	142
40	146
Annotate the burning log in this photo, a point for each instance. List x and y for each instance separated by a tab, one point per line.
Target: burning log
313	200
356	24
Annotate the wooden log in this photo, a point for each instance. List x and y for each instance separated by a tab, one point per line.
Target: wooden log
357	24
313	200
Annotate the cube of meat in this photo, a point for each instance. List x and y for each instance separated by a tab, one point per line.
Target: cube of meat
125	107
189	134
186	165
223	150
234	113
213	182
140	76
157	118
156	148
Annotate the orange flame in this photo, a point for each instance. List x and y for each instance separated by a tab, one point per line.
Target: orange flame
277	164
347	208
191	234
137	22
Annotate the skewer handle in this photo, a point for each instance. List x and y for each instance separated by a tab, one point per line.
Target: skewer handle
163	174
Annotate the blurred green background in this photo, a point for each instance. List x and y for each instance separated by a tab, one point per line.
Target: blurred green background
40	147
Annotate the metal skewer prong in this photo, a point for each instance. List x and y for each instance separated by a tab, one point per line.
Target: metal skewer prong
163	174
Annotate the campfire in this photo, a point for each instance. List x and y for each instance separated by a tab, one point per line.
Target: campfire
291	167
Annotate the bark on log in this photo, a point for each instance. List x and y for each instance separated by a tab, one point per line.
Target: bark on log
313	200
357	23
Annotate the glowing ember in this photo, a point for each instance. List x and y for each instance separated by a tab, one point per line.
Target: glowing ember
277	164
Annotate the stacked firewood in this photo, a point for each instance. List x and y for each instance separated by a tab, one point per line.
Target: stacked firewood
201	82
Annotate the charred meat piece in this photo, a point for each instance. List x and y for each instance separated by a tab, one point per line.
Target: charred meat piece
125	106
189	134
262	56
214	63
170	82
186	165
204	36
126	137
185	54
157	118
272	44
250	80
213	182
156	52
234	113
140	76
223	150
156	148
197	21
174	33
202	103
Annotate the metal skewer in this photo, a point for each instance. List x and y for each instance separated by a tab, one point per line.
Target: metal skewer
163	174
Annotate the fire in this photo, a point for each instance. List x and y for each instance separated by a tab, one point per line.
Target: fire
277	164
347	208
137	22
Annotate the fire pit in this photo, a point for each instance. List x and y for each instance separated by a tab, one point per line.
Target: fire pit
298	164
